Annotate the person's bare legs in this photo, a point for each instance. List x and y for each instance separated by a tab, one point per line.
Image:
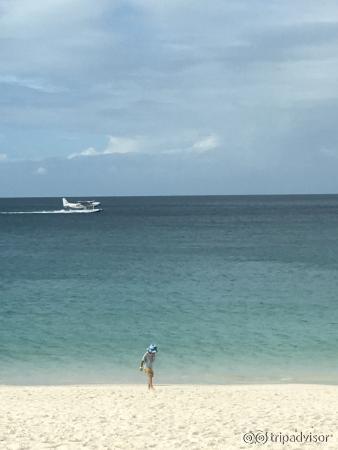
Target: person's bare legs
150	381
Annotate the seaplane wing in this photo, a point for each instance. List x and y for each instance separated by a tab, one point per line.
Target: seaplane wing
89	203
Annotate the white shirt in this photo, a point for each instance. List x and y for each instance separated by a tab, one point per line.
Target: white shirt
148	360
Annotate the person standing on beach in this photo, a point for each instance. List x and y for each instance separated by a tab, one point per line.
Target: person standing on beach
147	364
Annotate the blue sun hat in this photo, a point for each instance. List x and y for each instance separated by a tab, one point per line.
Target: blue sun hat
152	348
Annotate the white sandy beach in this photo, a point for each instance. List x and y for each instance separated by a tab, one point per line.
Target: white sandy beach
172	417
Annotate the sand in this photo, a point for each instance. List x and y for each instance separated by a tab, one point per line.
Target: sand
172	417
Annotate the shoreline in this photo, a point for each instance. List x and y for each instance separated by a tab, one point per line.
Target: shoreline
127	416
143	383
169	385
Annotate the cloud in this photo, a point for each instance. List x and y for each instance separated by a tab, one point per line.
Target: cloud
3	157
206	144
149	174
30	19
123	145
116	145
87	152
202	145
329	152
34	84
41	171
259	82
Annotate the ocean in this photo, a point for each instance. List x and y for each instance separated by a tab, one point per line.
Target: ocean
232	289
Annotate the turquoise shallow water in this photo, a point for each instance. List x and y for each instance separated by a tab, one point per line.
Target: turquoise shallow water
231	289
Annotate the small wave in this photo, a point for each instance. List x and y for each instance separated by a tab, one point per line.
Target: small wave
59	211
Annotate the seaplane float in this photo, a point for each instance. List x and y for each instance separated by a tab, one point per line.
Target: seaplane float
89	206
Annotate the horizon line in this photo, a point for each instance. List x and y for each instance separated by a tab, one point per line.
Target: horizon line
174	195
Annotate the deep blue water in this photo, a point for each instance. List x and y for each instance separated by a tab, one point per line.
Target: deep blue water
231	289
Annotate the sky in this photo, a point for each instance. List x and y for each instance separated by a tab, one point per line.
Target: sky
169	97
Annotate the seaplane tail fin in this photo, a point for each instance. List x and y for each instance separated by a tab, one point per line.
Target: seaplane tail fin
65	203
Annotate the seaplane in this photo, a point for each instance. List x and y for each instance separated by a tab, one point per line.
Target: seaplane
82	206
